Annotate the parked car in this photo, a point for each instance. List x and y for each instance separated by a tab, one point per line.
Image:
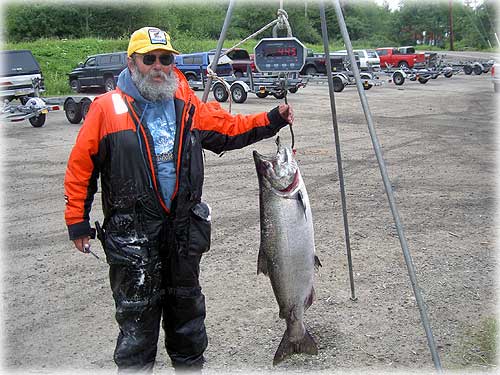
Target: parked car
194	65
18	72
240	60
316	62
495	76
403	57
368	58
99	71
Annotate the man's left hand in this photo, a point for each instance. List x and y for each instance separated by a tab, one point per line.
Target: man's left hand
286	112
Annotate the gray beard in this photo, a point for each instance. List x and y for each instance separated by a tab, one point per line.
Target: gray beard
154	91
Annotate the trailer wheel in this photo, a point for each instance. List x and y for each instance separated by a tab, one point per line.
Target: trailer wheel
478	70
220	92
468	69
38	121
238	93
398	79
293	90
279	94
338	85
85	105
422	80
262	95
448	74
73	111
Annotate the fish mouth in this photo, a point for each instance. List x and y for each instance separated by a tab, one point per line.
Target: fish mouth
279	170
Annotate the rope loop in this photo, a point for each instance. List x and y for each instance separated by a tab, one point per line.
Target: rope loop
282	24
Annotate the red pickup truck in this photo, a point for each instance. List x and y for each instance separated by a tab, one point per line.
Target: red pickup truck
403	57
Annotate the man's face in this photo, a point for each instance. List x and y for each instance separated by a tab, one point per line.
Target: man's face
153	74
143	63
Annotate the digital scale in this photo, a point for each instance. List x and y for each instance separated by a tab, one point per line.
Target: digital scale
279	55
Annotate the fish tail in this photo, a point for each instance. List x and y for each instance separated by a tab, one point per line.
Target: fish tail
286	348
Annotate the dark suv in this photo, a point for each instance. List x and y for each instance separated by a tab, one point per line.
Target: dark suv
98	71
20	75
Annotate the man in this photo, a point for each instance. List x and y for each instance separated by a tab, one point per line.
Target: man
145	141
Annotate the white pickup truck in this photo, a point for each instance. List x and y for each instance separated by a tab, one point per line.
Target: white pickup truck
368	58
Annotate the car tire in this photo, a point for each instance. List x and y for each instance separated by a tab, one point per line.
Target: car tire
238	93
448	74
422	80
75	85
220	93
109	84
38	121
468	69
293	90
191	78
262	95
398	78
311	70
73	111
403	65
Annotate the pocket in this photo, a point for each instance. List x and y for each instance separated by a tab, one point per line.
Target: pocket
130	249
200	226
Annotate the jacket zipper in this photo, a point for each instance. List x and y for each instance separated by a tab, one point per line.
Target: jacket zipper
179	151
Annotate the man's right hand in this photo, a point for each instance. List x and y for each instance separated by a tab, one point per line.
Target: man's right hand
81	242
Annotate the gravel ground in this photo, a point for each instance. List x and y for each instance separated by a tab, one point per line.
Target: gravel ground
438	141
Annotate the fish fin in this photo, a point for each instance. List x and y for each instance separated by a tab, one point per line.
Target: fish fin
286	348
262	263
300	197
317	263
310	299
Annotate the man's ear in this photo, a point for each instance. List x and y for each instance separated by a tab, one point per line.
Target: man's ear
130	63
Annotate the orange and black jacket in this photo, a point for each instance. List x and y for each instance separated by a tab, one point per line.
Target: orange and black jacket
109	147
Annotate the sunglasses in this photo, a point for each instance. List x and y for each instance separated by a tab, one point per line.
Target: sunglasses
165	59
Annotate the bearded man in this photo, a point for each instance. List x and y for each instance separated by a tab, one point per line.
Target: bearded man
145	141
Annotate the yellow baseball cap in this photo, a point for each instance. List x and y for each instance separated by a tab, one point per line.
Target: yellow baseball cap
148	39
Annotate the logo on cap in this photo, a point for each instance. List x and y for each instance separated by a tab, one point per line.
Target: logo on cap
157	36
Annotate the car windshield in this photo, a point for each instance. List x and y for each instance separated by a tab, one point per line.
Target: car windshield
18	62
372	54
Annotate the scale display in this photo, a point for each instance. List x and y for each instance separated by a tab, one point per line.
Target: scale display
279	55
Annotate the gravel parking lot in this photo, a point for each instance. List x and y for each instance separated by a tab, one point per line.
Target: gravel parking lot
439	144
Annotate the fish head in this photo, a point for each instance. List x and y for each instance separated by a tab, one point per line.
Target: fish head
280	171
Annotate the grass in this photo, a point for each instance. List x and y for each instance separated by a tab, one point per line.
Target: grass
480	346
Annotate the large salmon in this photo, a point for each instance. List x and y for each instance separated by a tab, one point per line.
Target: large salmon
287	253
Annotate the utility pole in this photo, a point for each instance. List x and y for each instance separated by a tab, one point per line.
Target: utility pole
450	18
